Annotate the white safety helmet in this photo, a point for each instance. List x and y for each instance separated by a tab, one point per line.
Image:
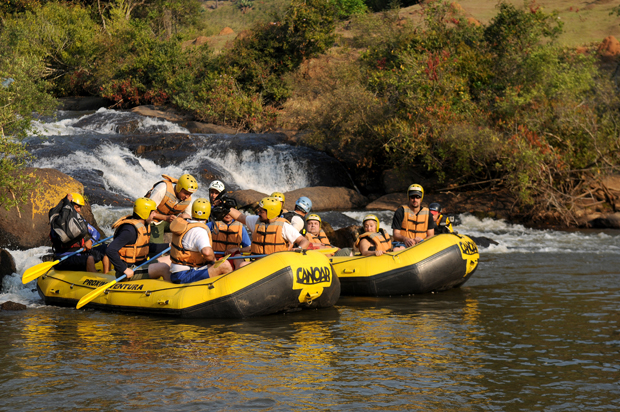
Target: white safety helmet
217	185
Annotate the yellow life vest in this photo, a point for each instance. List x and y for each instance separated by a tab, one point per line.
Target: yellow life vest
381	240
321	239
267	237
170	204
138	251
415	225
226	236
179	255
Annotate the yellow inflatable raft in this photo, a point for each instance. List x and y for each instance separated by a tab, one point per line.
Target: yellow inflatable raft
439	263
280	282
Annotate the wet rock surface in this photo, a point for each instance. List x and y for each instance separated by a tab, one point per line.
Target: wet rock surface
7	265
27	226
12	306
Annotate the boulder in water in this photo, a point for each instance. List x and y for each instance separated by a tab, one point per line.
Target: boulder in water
327	198
248	199
27	226
12	306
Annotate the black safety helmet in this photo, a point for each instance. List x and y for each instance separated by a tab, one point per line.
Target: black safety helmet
435	207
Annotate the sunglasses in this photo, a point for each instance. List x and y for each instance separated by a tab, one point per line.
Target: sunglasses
415	197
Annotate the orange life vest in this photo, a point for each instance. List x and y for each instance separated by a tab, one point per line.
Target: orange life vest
321	239
138	251
381	240
267	237
170	204
226	236
179	255
415	225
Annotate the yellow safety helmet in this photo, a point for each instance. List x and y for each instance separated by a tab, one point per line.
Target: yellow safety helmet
415	189
77	198
272	205
144	206
372	217
187	182
279	196
201	209
314	217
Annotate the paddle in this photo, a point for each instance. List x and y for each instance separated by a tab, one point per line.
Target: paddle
219	262
37	270
325	251
92	295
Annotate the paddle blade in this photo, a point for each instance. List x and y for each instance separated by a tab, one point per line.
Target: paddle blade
327	251
92	295
219	262
37	270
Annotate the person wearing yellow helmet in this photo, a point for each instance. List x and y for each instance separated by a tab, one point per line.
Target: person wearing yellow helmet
280	196
172	197
270	232
313	231
131	244
375	241
69	232
192	253
412	223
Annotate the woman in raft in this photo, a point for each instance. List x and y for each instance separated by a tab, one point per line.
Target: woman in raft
375	241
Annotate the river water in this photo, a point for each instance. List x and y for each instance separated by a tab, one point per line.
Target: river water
535	328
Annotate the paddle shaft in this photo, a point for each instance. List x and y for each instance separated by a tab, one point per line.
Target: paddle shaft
34	272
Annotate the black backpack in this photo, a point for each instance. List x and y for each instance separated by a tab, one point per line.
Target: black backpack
66	223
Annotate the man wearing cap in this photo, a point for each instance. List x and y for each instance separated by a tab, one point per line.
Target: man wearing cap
412	223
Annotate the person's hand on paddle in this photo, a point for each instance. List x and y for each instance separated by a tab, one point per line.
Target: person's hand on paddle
129	273
88	245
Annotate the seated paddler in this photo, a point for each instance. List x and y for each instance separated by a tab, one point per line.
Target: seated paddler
172	197
191	252
315	233
229	236
270	233
131	245
412	223
375	241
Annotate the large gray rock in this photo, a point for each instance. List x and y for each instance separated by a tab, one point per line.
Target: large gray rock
27	226
327	198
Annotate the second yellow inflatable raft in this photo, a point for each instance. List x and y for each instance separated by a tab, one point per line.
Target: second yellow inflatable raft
439	263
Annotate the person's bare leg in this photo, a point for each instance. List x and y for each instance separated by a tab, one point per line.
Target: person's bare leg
159	269
90	265
106	264
222	269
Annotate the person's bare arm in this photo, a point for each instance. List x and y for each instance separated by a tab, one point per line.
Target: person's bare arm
237	215
398	237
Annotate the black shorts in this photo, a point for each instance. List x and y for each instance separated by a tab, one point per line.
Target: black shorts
78	262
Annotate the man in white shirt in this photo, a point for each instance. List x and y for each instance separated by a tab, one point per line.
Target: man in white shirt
191	252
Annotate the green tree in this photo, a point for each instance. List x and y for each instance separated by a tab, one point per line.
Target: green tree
22	94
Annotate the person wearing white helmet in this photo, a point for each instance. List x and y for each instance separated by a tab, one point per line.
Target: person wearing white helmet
215	188
297	216
270	233
172	197
413	223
